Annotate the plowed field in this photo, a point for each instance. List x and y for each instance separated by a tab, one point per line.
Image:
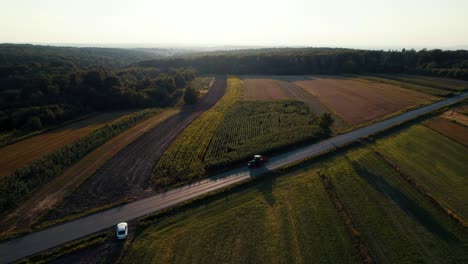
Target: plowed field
360	101
449	128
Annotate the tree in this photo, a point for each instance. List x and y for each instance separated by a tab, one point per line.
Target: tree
325	123
190	96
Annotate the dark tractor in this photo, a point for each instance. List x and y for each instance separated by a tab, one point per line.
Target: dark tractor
257	161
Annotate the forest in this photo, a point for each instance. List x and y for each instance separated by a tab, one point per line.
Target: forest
290	61
42	86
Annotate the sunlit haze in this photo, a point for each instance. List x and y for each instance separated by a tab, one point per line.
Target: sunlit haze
350	23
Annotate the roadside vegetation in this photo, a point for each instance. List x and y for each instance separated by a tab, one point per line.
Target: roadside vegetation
26	180
253	127
285	220
183	160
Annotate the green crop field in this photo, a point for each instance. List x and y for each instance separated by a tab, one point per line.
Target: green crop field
287	220
253	127
434	161
183	160
398	224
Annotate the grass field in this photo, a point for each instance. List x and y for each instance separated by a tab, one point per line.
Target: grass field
253	127
435	162
53	192
287	220
21	153
361	101
183	160
398	224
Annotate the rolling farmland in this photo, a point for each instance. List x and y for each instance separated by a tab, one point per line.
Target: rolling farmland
434	162
128	174
287	220
253	127
358	102
183	160
53	192
21	153
262	88
397	223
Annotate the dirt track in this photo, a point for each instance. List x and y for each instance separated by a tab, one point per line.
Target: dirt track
128	174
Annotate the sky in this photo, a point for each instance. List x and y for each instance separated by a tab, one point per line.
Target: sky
332	23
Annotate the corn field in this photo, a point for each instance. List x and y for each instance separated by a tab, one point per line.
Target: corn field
254	127
183	160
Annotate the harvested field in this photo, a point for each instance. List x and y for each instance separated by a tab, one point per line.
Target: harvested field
183	160
287	220
406	85
436	163
295	92
271	84
455	116
397	223
449	128
57	189
129	173
21	153
262	89
361	101
435	82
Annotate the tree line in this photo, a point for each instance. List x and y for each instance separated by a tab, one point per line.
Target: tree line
453	64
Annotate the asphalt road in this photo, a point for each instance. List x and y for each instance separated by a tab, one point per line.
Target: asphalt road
36	242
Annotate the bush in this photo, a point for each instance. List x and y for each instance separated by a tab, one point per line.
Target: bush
190	96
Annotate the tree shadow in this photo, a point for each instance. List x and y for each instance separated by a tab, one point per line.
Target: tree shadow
266	185
406	204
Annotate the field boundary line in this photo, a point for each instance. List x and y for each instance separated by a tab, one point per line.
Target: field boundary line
346	219
420	189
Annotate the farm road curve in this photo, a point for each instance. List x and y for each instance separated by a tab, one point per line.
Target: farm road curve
39	241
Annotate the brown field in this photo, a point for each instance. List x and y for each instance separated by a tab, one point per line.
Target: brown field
23	152
262	89
275	87
358	101
456	116
54	191
449	128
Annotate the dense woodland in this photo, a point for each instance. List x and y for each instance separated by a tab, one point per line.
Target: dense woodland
42	86
452	64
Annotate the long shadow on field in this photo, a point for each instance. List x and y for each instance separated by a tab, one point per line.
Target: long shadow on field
409	206
266	187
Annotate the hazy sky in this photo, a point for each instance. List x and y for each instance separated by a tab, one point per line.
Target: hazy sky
241	22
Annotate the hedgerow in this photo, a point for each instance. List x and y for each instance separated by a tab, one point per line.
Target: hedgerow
24	181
